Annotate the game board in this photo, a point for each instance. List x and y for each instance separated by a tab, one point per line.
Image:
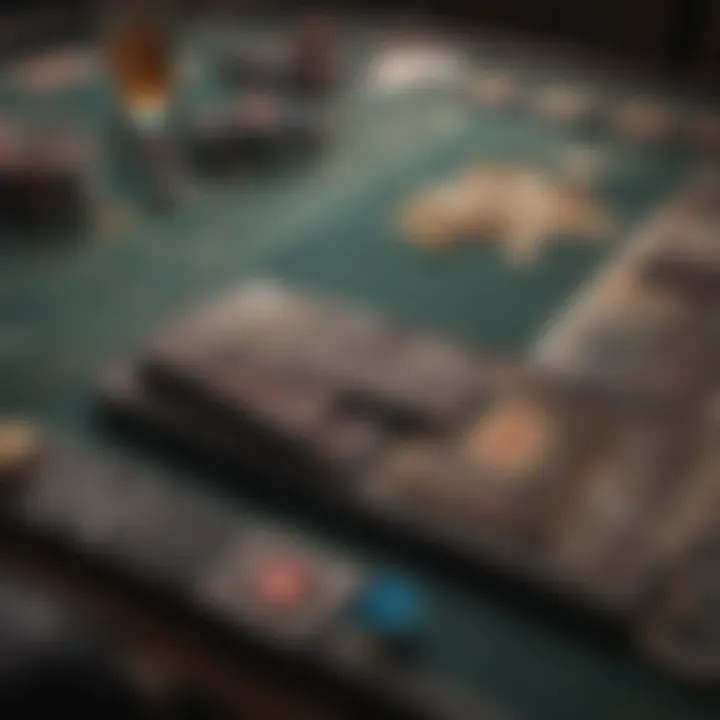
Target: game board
329	223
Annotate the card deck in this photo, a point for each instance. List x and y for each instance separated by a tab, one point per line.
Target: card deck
404	378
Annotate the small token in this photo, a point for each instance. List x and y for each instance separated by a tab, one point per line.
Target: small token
511	439
283	582
280	585
390	607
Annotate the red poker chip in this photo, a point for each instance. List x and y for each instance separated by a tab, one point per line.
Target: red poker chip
283	582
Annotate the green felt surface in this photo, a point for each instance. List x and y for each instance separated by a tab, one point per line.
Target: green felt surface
67	307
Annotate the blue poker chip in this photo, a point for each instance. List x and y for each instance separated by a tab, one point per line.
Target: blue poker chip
390	606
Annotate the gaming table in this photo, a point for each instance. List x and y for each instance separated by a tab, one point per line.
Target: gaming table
326	221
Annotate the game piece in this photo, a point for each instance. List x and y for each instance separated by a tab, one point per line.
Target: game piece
493	90
511	440
140	58
391	609
279	587
273	597
643	120
563	104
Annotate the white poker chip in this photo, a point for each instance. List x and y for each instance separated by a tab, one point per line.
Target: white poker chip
705	132
563	103
493	89
643	120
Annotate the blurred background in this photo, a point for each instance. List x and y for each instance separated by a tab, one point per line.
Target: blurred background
88	649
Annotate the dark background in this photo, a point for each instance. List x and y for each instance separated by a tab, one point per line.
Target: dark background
674	36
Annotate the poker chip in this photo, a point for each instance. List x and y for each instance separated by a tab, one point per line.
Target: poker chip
561	103
643	120
283	581
492	90
511	439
